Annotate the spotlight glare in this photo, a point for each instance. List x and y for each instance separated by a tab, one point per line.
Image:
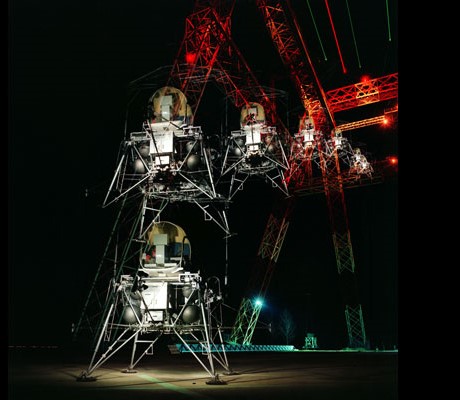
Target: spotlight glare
258	302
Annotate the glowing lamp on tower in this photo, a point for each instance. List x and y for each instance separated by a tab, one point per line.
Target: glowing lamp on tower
393	160
190	58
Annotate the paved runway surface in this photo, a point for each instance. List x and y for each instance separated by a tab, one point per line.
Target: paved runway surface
308	375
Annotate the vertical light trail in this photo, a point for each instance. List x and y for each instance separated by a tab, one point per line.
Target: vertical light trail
353	33
388	21
317	32
335	37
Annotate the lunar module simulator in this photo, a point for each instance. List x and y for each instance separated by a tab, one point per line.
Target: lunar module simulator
163	298
256	150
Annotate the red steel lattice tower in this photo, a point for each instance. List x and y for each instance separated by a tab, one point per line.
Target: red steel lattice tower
210	54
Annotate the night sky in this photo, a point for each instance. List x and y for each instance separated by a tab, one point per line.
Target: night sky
70	64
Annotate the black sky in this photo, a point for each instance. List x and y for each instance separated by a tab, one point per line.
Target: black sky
70	64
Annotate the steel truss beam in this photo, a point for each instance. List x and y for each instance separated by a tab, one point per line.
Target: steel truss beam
363	93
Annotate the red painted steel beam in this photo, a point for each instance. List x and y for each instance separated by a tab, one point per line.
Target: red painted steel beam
360	94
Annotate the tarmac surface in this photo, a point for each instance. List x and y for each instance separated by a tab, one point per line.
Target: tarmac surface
309	375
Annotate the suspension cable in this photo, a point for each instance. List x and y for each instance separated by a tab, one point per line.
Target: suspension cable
335	37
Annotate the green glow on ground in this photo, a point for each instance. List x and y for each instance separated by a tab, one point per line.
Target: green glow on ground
168	386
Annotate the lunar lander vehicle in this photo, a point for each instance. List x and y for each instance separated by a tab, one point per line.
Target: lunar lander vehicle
308	143
169	158
254	150
164	297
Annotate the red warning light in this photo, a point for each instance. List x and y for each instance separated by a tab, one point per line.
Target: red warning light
393	160
190	58
365	78
387	121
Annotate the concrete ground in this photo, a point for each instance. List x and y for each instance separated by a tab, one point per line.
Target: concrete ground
308	375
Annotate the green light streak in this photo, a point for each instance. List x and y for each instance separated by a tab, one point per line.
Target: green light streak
388	20
353	33
317	32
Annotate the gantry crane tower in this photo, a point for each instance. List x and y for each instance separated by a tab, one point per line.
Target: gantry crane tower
210	54
286	35
208	45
